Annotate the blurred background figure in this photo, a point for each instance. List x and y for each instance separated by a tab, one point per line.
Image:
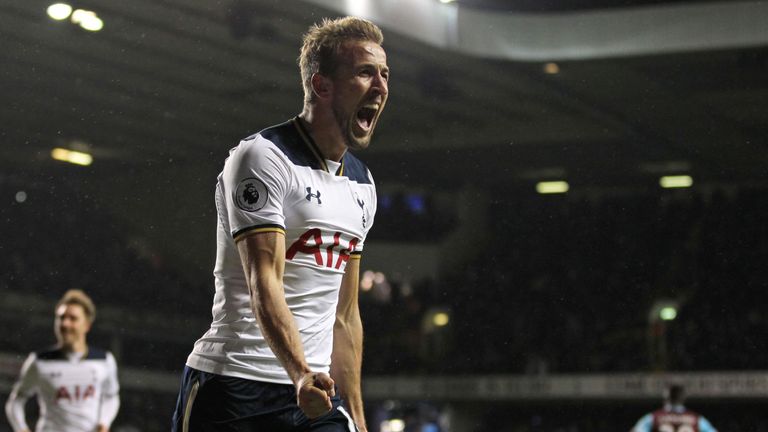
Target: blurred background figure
673	416
76	384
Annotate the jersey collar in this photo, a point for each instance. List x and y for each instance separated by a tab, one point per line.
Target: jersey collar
307	138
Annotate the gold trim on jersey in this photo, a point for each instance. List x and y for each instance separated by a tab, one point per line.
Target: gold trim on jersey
313	147
256	230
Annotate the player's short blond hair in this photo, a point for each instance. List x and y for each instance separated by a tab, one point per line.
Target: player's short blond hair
79	297
322	43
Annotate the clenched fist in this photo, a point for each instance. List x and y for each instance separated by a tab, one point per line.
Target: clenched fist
313	394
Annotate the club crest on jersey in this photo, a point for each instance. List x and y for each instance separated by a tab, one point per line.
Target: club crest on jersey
251	194
311	195
361	204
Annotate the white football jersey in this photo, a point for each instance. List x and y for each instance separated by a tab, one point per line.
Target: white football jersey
276	180
70	391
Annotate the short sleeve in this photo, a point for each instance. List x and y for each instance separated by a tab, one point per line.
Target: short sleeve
705	425
255	181
644	424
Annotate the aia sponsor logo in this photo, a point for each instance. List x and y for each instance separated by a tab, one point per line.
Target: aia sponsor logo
331	254
75	393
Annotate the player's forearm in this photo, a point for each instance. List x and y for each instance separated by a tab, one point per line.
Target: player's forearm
279	328
262	257
346	362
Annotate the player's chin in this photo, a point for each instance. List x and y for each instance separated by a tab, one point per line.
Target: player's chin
355	144
359	142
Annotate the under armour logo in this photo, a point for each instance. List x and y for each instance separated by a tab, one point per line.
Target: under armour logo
310	195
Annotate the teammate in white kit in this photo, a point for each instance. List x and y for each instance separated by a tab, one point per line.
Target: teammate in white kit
76	384
294	210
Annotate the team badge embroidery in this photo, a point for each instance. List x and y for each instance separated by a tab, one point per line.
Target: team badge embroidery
251	194
361	204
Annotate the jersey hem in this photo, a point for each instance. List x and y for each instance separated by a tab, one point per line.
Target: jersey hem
205	365
208	366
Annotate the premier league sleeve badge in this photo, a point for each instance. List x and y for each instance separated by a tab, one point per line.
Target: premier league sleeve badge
251	194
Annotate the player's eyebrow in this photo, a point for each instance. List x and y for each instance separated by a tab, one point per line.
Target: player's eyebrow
383	68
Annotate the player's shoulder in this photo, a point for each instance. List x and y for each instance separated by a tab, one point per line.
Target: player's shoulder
50	353
96	353
276	134
356	170
286	139
56	353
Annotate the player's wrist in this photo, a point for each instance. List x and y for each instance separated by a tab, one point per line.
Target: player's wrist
302	376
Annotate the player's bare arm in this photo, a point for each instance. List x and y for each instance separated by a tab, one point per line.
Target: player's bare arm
347	357
263	258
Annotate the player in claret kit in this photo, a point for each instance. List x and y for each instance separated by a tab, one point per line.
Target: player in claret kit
673	416
294	209
76	384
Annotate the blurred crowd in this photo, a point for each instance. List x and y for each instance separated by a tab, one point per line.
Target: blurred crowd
56	239
572	285
566	284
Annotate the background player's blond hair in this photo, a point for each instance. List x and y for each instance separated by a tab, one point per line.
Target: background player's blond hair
322	44
79	297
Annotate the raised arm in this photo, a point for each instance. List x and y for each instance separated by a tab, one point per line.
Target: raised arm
263	258
347	357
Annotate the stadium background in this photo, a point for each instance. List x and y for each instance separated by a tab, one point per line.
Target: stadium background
489	306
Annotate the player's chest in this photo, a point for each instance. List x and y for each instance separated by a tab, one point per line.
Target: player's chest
67	382
318	199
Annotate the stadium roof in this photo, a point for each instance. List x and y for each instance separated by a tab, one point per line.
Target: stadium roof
180	81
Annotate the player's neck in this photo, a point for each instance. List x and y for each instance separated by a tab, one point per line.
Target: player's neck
80	347
324	131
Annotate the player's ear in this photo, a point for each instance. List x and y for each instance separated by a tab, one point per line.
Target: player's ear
321	85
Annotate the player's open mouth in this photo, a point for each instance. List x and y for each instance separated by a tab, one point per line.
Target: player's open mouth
366	115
